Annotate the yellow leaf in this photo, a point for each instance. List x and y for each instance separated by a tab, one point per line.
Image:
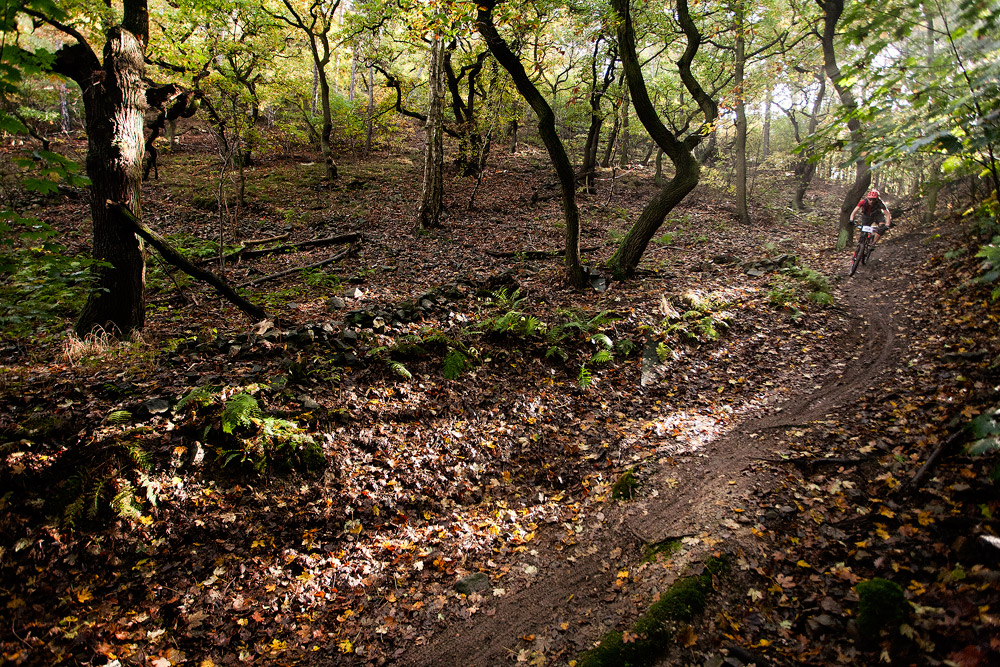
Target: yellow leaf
885	511
345	646
84	594
883	533
802	563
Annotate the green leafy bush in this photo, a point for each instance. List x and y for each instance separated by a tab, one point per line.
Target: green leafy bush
241	433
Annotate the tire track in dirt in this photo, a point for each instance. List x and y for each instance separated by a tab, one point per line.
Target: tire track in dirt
690	498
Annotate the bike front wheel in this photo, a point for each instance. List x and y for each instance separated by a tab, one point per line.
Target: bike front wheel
859	253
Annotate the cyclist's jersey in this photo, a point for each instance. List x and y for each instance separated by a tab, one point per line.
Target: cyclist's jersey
872	209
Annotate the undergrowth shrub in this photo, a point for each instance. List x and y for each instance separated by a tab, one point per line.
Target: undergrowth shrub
242	433
112	483
794	287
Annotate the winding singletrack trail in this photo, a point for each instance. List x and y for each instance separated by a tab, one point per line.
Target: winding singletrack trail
577	595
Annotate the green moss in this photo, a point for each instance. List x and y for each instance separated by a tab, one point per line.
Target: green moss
654	551
881	606
649	636
626	486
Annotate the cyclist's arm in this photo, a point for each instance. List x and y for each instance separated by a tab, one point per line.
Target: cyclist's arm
888	216
855	212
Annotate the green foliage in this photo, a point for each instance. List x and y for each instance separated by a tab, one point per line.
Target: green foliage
239	411
106	486
454	364
41	284
246	436
317	277
198	397
399	369
584	378
793	285
118	417
990	268
986	430
881	606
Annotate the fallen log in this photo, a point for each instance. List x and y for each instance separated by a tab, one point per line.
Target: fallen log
270	239
287	272
170	254
245	253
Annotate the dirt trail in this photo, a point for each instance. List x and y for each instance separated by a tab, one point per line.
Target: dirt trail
574	598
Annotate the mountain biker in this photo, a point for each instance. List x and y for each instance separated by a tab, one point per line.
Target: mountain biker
872	208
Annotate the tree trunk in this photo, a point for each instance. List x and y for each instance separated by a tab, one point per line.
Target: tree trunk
114	100
832	10
547	129
326	148
741	120
806	168
765	139
626	137
429	210
588	166
370	112
686	168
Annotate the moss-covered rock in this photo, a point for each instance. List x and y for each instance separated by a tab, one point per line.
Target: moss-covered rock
626	486
881	606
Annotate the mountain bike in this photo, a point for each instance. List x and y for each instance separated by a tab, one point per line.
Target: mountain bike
864	248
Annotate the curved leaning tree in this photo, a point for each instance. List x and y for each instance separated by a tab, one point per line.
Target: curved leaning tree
680	151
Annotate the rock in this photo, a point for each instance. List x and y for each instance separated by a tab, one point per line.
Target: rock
308	403
427	304
756	273
725	259
156	406
350	337
335	303
353	293
197	454
473	583
378	325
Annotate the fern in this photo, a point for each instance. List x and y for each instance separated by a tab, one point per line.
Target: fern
625	347
584	378
603	340
664	352
399	369
124	504
556	351
240	411
199	396
455	363
602	357
118	417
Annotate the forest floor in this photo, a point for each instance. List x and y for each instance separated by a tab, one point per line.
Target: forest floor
487	467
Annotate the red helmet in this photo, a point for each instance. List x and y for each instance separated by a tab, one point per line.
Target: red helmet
872	194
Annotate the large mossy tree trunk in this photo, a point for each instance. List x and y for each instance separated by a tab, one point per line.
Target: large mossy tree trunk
686	168
114	98
832	10
546	129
